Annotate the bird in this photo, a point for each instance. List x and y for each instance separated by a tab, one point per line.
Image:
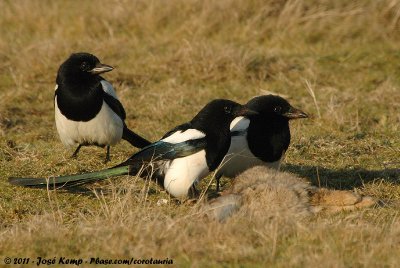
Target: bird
181	158
260	140
87	109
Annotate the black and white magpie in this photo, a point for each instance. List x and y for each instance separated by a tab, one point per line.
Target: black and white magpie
180	158
87	110
262	139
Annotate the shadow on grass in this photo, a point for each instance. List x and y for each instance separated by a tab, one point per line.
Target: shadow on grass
342	179
82	190
103	188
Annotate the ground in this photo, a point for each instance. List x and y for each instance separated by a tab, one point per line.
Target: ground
337	60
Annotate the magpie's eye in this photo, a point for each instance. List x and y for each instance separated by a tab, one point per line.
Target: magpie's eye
84	66
277	109
228	109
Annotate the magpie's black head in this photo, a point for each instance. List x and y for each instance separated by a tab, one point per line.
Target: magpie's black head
272	106
214	120
82	66
219	113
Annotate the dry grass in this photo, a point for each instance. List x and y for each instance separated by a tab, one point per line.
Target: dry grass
337	60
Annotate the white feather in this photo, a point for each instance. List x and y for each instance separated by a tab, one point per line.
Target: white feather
108	88
104	129
239	157
181	136
239	123
183	172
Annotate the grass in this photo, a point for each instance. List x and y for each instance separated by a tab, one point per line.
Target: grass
337	60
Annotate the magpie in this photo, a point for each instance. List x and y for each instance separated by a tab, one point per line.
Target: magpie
182	157
262	139
87	110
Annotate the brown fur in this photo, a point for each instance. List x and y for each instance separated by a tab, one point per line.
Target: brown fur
262	192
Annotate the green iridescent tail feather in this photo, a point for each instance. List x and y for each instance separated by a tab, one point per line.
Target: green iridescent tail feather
158	151
70	180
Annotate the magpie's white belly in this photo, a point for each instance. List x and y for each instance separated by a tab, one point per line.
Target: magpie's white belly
239	158
105	129
183	172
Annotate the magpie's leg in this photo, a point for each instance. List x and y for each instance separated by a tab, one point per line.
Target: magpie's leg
193	192
218	180
107	154
75	154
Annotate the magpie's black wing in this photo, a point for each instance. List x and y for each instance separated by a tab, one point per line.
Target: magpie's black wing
111	101
115	105
162	150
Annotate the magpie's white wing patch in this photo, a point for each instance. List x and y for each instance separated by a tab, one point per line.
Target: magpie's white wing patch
108	88
239	123
181	136
55	88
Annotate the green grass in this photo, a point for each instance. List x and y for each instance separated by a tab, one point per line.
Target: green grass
171	58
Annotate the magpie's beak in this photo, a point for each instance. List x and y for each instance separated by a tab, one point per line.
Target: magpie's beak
294	113
244	111
101	68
